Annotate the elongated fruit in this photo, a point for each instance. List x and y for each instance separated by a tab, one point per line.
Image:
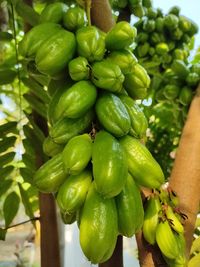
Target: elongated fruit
77	154
72	193
98	227
174	220
109	165
151	218
141	164
166	240
129	208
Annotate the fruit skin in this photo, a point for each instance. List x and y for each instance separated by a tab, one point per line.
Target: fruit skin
55	52
72	193
120	36
139	122
74	18
185	96
98	227
68	218
180	69
141	164
50	175
130	209
50	148
107	75
109	165
174	220
77	154
124	59
79	69
76	100
112	114
33	39
166	240
136	82
171	91
53	13
90	43
66	128
151	219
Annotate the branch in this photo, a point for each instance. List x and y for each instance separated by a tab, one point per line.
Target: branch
21	223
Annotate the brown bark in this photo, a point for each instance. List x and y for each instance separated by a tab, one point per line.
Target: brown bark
101	15
185	177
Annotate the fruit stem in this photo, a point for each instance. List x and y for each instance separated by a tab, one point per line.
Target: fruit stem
88	8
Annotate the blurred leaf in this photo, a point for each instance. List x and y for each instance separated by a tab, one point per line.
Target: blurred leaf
27	175
5	185
27	13
29	161
36	89
36	105
194	261
3	234
5	36
4	172
26	202
6	158
9	127
7	76
10	207
6	143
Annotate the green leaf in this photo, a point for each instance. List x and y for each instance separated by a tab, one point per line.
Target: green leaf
5	36
7	76
6	143
6	158
29	161
3	234
26	202
5	185
27	13
4	172
36	89
9	127
194	261
27	175
36	105
10	207
33	138
195	245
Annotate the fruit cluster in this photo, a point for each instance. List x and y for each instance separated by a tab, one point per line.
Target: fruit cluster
98	162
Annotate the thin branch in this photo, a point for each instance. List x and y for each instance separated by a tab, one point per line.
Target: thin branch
21	223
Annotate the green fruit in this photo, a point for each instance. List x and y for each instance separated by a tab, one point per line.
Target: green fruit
79	69
171	91
72	193
180	68
136	82
55	53
90	43
33	39
141	164
98	227
142	37
162	48
130	209
107	75
192	79
50	175
77	154
68	218
76	100
50	148
139	122
171	22
109	165
53	13
121	36
143	50
66	128
112	114
74	18
124	59
159	24
149	25
175	10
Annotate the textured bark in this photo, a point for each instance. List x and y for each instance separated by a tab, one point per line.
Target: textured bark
101	15
185	177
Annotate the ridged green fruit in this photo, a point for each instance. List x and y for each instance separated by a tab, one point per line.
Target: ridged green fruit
174	220
76	100
141	164
56	52
98	227
74	18
50	148
66	128
33	39
109	165
180	69
139	122
166	240
72	193
124	59
90	43
120	36
130	209
53	13
50	175
151	219
79	69
77	154
112	114
137	82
